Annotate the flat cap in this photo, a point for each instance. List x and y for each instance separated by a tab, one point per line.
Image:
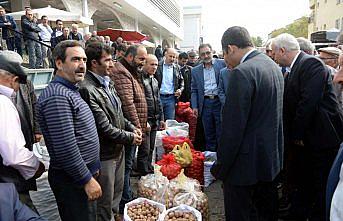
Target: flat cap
331	50
12	65
192	54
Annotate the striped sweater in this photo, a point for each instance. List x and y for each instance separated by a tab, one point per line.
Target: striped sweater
69	131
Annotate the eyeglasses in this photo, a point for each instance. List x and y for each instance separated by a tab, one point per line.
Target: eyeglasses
205	53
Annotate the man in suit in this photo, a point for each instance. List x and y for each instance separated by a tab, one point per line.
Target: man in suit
313	126
11	208
223	84
204	95
8	24
170	82
251	147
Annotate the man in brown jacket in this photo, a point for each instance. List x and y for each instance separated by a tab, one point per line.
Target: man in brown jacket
128	81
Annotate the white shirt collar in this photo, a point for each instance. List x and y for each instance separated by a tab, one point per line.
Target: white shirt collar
246	55
8	92
295	58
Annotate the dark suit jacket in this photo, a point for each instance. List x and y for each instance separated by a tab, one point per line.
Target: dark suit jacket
177	76
223	84
311	110
251	146
198	86
5	30
11	208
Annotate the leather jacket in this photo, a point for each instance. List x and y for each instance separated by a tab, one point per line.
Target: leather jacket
114	130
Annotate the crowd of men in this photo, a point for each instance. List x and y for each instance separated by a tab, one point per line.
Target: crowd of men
275	120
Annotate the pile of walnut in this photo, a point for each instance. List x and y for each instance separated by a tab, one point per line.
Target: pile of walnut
180	216
143	212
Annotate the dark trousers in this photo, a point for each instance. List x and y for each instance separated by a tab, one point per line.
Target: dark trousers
307	174
10	42
72	201
143	155
251	203
211	120
152	147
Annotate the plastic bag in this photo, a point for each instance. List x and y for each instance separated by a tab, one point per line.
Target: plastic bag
175	128
134	208
182	210
169	167
210	158
169	142
159	144
196	169
154	186
183	154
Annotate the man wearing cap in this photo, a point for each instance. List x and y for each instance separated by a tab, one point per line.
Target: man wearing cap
18	165
192	59
329	55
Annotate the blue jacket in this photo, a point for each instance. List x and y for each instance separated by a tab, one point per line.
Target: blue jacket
11	208
4	27
198	85
223	84
333	180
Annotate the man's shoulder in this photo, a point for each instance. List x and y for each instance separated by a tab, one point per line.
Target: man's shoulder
55	91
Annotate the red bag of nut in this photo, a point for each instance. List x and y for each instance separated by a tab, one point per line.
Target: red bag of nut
169	142
169	167
196	169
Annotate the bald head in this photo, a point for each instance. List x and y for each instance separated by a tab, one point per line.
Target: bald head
170	56
151	64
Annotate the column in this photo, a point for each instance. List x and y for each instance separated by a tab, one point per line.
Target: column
85	14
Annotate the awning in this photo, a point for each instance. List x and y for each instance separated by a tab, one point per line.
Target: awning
132	36
54	14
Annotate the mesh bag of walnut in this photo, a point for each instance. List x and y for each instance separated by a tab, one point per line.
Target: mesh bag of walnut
181	213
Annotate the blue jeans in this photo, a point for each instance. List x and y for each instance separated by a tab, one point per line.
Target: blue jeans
10	42
127	195
35	54
211	119
168	104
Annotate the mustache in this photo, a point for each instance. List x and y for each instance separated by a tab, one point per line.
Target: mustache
80	70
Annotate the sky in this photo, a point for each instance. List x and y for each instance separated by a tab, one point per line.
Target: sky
260	17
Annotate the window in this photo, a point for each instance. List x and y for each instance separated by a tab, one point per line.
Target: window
318	4
326	1
337	23
338	2
324	27
342	24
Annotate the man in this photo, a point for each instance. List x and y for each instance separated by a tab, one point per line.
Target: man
74	34
329	55
120	51
30	31
192	58
65	36
18	165
7	24
251	147
306	45
45	36
155	110
313	126
187	77
70	135
205	101
268	46
11	208
108	41
127	77
57	31
170	82
159	53
113	129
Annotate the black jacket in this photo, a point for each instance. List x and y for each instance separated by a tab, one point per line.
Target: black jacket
311	109
114	130
177	76
30	29
152	96
251	145
187	79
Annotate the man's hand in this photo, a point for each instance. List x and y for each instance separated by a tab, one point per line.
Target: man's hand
299	143
138	132
148	127
137	140
162	125
93	189
195	112
38	137
177	93
40	170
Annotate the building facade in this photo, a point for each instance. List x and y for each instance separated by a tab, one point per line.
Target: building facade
161	20
192	28
325	15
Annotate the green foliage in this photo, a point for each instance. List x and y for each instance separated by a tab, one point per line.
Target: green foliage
299	28
257	41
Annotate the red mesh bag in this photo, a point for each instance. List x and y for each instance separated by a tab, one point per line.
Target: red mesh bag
196	169
169	142
184	113
181	107
169	167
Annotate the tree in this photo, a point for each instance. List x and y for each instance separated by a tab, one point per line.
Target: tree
299	28
257	41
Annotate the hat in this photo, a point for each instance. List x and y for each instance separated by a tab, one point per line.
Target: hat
331	50
192	54
12	66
